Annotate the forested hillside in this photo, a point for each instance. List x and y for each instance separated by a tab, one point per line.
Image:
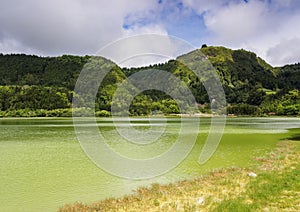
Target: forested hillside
44	86
252	86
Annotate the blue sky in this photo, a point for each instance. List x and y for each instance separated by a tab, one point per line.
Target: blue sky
54	27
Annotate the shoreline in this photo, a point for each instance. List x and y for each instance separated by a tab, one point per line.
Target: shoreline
220	190
196	115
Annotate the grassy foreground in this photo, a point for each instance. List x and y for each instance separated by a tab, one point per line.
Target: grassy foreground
276	187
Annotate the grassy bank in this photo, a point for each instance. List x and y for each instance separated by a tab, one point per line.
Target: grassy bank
275	188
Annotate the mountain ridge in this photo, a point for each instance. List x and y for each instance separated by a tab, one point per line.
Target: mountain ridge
248	81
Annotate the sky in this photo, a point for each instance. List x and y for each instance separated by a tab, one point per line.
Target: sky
270	28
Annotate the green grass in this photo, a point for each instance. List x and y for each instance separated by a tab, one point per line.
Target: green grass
275	190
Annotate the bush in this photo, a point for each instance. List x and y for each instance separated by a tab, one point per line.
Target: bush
244	109
103	113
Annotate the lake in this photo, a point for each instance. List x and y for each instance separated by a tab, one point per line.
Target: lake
43	166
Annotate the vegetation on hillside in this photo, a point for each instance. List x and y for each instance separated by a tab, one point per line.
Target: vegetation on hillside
31	84
252	87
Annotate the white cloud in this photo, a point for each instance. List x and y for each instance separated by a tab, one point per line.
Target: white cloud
259	26
145	49
139	47
147	29
280	4
285	52
83	27
235	23
64	26
13	46
204	6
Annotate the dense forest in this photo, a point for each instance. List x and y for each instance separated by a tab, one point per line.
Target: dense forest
44	86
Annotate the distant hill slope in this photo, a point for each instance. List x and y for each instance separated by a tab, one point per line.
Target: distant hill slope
246	78
240	65
20	69
237	67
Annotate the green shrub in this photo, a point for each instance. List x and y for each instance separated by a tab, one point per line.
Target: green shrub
103	113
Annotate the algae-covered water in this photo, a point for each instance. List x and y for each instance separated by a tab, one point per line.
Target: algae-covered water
43	167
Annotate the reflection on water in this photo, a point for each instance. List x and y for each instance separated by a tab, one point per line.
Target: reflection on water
43	167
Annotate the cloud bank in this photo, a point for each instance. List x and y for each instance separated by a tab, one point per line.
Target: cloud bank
268	27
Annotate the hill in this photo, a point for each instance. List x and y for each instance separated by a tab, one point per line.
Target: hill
252	86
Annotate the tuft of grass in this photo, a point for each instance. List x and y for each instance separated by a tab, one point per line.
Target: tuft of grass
276	188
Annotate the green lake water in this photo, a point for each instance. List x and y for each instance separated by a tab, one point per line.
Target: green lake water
43	167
